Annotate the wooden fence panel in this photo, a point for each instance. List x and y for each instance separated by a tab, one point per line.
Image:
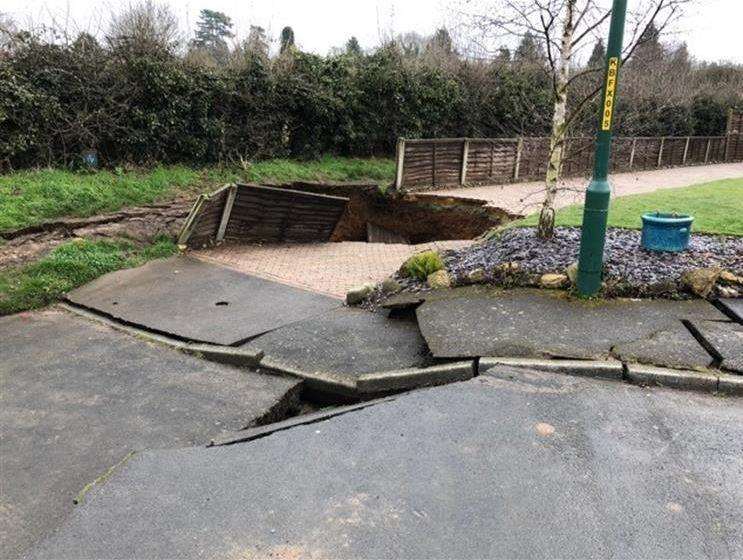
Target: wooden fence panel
430	163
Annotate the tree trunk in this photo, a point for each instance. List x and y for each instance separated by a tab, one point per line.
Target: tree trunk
546	226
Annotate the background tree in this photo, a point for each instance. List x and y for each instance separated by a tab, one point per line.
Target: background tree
286	39
353	47
257	41
561	29
212	30
144	26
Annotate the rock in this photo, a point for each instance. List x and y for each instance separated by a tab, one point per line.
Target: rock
700	281
727	292
355	296
552	281
439	279
572	272
506	268
476	276
391	286
728	277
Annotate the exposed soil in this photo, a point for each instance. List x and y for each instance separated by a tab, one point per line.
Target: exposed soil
412	217
141	224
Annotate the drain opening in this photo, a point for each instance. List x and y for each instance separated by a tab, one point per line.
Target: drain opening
222	303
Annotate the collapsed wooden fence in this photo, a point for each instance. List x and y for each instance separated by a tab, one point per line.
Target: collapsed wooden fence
445	162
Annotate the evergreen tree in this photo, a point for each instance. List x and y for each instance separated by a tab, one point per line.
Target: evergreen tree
287	39
441	42
528	51
598	55
257	42
211	31
352	46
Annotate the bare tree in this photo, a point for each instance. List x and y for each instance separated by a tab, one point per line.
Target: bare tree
144	24
564	29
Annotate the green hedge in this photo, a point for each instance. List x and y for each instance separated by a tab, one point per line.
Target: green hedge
137	105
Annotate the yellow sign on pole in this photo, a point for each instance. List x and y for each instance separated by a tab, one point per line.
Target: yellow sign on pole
611	88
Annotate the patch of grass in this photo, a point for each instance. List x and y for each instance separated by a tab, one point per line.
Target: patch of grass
422	264
30	197
70	265
717	208
325	169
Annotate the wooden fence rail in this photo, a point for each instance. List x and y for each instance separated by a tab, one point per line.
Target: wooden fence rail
445	162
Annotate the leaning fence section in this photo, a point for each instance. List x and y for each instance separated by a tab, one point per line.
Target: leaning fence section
446	162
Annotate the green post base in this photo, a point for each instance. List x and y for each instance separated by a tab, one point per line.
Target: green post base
593	236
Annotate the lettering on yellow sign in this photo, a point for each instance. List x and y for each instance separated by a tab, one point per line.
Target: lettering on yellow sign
611	89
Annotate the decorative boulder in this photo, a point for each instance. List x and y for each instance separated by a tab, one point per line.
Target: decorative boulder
553	281
476	276
700	281
391	286
439	279
355	296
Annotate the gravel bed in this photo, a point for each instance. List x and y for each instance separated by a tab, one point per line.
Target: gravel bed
630	270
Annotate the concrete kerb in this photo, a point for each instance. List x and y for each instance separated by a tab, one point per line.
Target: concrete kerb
608	369
409	378
637	374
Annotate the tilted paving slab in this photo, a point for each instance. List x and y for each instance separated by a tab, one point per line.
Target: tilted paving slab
199	301
346	341
726	338
734	307
674	347
77	397
535	466
538	323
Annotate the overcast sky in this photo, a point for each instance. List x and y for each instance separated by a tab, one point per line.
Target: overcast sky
711	28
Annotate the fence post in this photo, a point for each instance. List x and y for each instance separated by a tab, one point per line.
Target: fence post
400	162
706	153
686	150
632	153
660	151
465	154
226	211
517	166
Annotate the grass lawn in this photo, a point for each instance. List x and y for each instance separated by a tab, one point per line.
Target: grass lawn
68	266
717	207
31	197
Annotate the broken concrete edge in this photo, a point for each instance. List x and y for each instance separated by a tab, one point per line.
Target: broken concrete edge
303	420
318	381
606	369
636	374
408	378
213	352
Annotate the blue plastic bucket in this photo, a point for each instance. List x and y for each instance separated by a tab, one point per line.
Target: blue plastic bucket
666	231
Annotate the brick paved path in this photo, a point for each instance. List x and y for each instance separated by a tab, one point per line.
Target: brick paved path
525	198
334	268
328	268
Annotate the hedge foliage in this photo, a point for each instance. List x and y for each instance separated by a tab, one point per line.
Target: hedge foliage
136	104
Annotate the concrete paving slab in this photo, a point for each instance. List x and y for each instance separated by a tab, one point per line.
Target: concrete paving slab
541	466
346	341
537	323
734	307
199	301
726	338
77	397
674	347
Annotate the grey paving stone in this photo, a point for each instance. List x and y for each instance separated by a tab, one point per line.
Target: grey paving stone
674	347
538	323
77	397
538	466
727	340
199	301
345	341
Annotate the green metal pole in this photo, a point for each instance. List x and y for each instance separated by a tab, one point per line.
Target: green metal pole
596	209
